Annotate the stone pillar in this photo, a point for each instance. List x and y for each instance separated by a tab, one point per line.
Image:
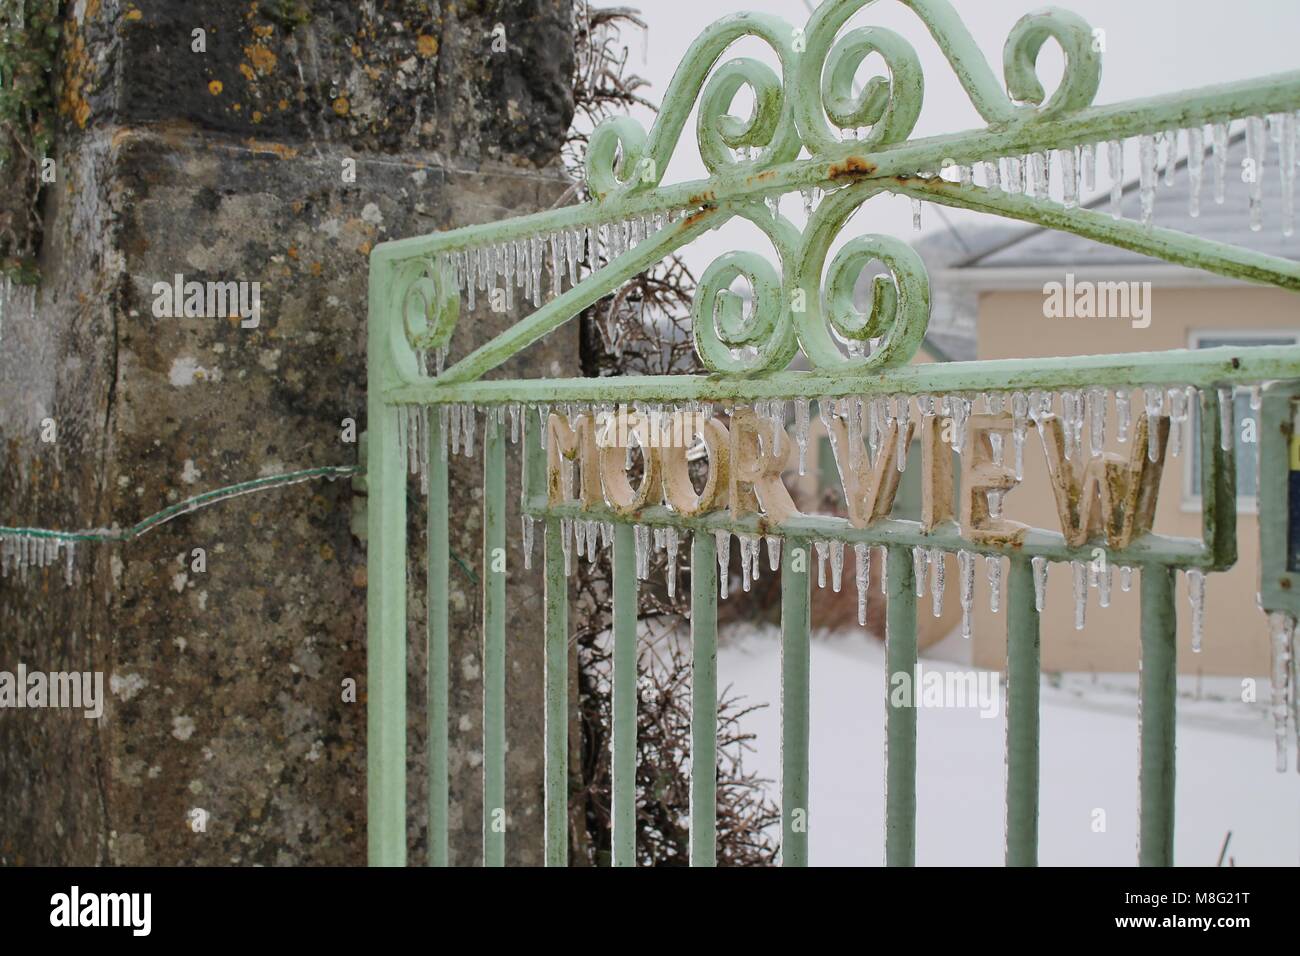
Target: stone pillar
277	146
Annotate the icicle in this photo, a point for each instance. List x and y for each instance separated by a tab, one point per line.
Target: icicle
471	267
1155	401
992	177
1195	168
566	544
1097	421
936	561
902	413
467	421
671	542
723	541
1103	583
543	419
1115	159
580	536
1285	127
807	194
966	567
414	440
823	552
641	550
960	411
1256	150
773	552
424	450
606	534
1088	166
916	214
1177	420
1219	145
1227	424
884	571
861	576
1147	177
774	206
1123	414
1019	430
1014	175
1039	564
69	549
746	543
593	534
1169	142
919	559
1281	628
1125	578
514	424
1042	166
1080	572
527	521
1196	595
403	435
993	566
1069	176
801	432
837	564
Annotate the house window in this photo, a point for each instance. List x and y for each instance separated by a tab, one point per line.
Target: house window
1244	452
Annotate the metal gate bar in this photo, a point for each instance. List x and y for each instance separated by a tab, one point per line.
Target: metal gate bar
623	771
438	660
1023	681
704	700
900	719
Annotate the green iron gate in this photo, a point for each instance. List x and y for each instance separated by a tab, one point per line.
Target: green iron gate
811	132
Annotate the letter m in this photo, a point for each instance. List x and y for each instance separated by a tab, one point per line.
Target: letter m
223	299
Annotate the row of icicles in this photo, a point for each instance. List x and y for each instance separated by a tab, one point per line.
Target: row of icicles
1085	411
524	264
1032	175
531	264
18	552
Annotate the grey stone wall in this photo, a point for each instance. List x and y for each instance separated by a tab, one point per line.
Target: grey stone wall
227	165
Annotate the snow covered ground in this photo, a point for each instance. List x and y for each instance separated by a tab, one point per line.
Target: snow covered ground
1226	779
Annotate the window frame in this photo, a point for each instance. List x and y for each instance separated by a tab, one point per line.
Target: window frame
1190	500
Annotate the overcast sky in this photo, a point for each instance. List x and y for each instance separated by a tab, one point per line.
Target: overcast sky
1152	47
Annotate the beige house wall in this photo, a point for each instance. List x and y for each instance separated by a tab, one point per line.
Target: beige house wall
1012	325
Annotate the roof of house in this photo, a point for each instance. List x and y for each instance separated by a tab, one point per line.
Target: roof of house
1000	246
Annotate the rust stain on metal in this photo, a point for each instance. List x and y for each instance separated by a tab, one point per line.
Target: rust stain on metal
852	167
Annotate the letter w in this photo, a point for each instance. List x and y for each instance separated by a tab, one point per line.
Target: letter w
1108	495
